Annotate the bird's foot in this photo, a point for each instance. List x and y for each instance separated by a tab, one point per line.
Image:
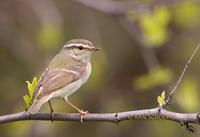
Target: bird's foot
28	115
82	114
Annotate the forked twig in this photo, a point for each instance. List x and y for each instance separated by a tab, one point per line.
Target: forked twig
181	77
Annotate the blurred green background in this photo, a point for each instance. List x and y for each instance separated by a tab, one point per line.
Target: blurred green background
145	45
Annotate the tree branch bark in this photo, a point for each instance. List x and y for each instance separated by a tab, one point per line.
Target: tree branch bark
146	114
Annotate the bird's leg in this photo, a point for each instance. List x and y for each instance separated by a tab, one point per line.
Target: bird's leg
79	110
51	110
82	113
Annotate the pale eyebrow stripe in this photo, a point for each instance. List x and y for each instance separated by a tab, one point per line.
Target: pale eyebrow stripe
74	45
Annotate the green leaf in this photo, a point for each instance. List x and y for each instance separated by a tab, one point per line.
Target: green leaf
33	85
31	88
26	101
163	95
154	26
156	77
161	99
34	82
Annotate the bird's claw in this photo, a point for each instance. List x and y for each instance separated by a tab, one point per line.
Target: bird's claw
82	114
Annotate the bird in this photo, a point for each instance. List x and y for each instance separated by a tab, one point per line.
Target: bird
65	74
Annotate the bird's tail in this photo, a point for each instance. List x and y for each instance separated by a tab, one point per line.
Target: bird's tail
35	107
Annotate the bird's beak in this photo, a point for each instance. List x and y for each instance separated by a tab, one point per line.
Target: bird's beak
94	49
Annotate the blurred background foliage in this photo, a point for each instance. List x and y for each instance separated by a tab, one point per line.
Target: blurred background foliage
145	45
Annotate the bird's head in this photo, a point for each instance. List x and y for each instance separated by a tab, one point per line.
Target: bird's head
80	49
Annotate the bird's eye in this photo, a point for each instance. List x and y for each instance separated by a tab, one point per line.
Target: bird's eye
80	47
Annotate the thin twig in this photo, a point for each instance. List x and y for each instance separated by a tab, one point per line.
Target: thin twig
146	114
181	77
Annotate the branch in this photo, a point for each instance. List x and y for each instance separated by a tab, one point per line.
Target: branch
111	7
181	77
151	114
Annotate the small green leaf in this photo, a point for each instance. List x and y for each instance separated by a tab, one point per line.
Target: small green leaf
161	99
163	95
31	88
34	82
158	76
33	85
154	26
26	101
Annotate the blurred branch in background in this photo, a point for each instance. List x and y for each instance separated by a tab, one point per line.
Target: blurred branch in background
122	7
110	7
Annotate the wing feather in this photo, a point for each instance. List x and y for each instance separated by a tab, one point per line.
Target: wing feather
56	79
40	82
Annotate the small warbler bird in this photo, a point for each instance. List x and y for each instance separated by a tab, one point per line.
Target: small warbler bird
67	71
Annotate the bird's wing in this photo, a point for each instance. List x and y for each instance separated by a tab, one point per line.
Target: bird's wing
56	79
40	82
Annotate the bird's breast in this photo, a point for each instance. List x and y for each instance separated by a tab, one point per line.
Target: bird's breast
74	86
87	73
